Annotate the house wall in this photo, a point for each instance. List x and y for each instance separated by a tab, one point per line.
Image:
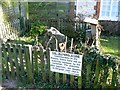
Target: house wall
86	7
97	9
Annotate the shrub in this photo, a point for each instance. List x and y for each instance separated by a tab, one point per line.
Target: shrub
37	29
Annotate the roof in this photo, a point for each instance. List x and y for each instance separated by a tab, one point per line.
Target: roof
91	21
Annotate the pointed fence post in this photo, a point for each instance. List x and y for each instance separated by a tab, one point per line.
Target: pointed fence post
114	75
66	44
48	59
20	55
35	57
1	63
97	72
80	78
5	59
42	64
64	75
57	74
28	55
71	76
16	61
10	54
71	45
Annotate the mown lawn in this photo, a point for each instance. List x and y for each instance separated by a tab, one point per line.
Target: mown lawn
110	45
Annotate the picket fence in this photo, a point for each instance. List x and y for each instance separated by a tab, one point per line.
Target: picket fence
24	62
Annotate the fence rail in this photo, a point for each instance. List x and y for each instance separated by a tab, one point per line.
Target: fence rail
24	62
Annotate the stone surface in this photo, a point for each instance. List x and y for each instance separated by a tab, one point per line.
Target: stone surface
53	38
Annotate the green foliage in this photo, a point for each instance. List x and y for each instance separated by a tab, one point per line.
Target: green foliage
47	10
80	37
105	62
92	54
6	3
37	29
39	83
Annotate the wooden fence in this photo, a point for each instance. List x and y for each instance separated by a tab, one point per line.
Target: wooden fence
62	24
25	62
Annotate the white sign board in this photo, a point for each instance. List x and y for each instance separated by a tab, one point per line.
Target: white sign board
66	63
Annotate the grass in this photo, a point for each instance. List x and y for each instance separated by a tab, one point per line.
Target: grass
110	45
23	40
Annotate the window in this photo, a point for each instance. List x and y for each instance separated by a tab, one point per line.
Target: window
115	3
109	2
113	14
103	13
114	11
104	6
104	2
114	8
109	9
107	13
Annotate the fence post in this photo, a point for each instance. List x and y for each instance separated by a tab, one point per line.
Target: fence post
114	75
11	60
6	61
97	71
80	78
64	75
119	75
106	73
88	67
80	81
56	44
20	55
57	77
28	54
71	45
16	61
1	65
48	59
36	61
71	76
42	64
57	74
